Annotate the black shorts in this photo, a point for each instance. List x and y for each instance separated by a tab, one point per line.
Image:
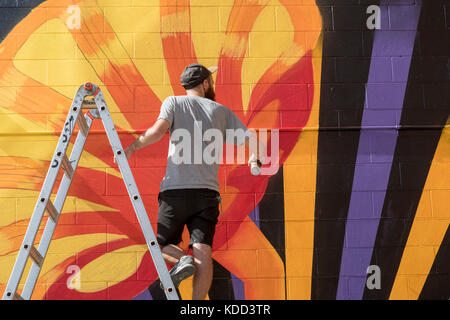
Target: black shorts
198	209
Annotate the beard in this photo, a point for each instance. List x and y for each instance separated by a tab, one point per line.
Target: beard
210	94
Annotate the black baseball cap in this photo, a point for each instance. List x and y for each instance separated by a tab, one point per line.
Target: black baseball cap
194	74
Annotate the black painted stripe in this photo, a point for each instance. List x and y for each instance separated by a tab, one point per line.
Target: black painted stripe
222	284
271	217
271	214
346	41
12	12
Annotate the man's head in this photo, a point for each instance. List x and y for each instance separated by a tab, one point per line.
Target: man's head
198	80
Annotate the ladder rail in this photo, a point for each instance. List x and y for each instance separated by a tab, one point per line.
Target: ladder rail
41	204
136	199
58	204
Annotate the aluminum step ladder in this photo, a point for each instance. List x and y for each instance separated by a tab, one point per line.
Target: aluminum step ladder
97	109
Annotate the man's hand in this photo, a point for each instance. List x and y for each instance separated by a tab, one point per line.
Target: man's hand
129	151
152	135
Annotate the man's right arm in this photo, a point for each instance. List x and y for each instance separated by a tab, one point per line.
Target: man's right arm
257	149
152	135
157	131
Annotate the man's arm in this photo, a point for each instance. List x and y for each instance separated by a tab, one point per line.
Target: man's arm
258	152
152	135
256	148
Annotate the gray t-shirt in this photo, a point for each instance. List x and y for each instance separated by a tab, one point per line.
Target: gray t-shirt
190	117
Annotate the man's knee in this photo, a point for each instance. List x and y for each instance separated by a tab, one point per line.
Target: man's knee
202	254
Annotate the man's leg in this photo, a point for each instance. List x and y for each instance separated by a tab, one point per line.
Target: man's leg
203	270
183	265
172	253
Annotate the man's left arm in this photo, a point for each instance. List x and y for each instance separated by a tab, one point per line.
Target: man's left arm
152	135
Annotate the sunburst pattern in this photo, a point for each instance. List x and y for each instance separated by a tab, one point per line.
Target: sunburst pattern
136	55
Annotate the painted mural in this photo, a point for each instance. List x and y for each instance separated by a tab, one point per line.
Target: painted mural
358	208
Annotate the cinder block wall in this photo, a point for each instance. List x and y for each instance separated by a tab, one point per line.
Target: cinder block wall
358	89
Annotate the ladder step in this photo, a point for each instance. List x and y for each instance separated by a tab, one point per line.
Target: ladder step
36	256
52	212
82	124
67	167
17	296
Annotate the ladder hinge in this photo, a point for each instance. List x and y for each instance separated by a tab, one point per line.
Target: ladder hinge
89	104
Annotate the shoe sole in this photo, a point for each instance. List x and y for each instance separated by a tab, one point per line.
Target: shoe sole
182	274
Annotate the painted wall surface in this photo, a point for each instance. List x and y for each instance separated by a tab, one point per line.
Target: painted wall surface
364	177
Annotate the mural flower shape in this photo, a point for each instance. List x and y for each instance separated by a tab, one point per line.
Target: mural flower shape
98	231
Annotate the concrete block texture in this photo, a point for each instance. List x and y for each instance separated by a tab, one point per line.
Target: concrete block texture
357	90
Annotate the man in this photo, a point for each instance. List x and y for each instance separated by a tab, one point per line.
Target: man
189	192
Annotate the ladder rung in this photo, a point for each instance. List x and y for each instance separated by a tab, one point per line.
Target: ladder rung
67	167
82	124
36	256
52	212
17	296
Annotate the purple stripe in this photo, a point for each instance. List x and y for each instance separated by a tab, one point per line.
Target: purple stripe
254	215
392	49
238	288
145	295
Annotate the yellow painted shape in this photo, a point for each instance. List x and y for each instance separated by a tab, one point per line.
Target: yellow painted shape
299	201
207	45
8	213
300	178
146	51
59	250
64	69
118	3
25	206
82	205
13	123
266	21
255	253
269	44
114	266
46	46
234	46
401	288
440	204
185	288
266	46
125	19
10	89
78	243
153	69
224	15
204	19
43	151
426	233
12	193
